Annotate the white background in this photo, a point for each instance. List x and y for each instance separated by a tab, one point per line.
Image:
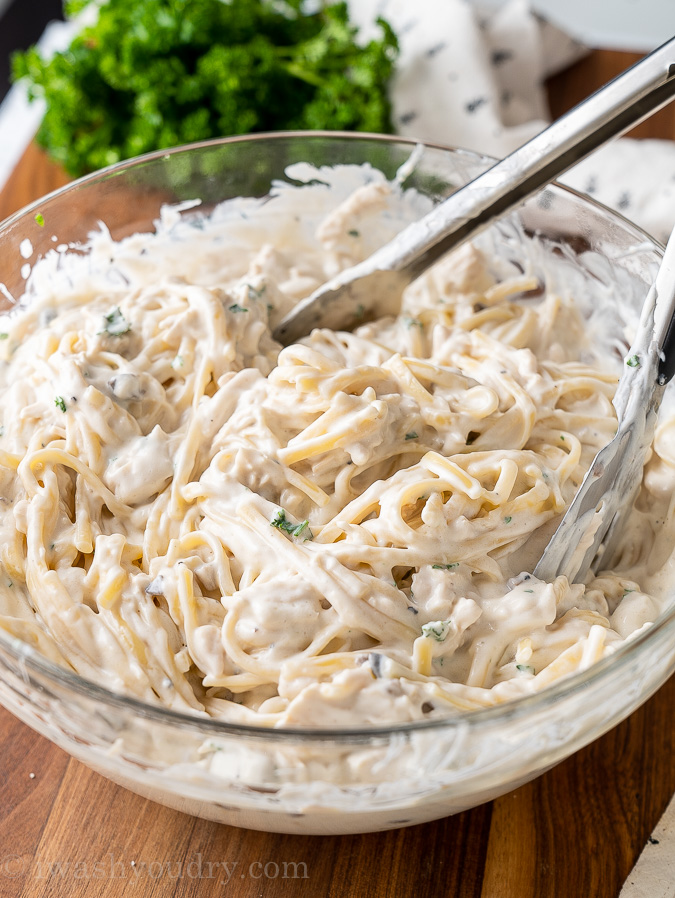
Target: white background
638	25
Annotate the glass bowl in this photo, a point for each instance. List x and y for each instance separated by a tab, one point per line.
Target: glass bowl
359	780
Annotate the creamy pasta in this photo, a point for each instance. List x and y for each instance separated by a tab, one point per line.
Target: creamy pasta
334	533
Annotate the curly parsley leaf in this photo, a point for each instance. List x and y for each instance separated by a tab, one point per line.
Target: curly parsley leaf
158	73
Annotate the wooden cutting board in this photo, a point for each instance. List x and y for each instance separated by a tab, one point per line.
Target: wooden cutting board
574	833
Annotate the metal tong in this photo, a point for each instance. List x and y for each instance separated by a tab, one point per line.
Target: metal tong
374	287
590	530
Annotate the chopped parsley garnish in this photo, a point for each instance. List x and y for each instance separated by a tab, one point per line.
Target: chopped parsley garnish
412	322
4	336
115	324
255	294
297	530
436	629
354	233
59	402
235	307
508	519
525	668
633	361
40	219
445	567
412	435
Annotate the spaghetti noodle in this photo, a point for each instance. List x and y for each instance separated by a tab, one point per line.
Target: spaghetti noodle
333	533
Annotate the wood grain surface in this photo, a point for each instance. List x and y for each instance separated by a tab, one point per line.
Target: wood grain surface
573	833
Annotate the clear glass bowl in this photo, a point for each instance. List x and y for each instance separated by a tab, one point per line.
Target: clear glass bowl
320	781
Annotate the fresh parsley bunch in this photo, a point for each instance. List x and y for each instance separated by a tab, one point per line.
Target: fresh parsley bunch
151	74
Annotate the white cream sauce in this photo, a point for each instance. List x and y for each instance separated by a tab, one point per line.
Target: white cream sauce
330	534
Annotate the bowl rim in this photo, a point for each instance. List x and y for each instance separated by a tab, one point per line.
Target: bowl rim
509	710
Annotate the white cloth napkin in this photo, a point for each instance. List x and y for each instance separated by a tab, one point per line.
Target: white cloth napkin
472	76
635	177
468	76
653	876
